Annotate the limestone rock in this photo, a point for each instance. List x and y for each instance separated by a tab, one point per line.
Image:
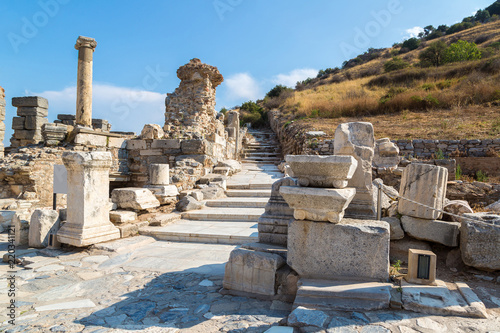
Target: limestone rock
43	223
480	241
436	231
21	224
252	271
122	216
457	207
386	154
425	184
494	207
234	166
165	190
320	250
212	192
134	198
357	139
152	132
302	316
159	174
188	203
318	204
399	248
395	226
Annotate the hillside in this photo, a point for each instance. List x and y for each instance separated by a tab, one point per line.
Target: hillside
403	96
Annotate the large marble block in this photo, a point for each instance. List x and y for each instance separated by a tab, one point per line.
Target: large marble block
349	250
88	196
357	139
322	171
425	184
43	222
317	204
436	231
159	174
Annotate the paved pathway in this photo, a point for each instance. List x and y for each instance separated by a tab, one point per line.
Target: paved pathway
232	220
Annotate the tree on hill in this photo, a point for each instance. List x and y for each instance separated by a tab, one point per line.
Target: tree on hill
411	44
494	9
277	90
433	55
462	51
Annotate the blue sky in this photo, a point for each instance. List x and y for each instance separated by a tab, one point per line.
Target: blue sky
256	44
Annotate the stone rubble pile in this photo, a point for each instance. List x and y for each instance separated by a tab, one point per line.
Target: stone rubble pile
32	112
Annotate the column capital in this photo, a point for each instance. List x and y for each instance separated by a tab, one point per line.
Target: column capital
85	42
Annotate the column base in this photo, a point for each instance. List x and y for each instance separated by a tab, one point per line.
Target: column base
78	235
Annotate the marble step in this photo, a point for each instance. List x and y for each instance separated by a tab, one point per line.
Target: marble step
262	154
249	193
228	232
343	295
224	214
240	202
250	186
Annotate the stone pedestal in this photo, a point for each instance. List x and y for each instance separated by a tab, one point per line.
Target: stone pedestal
425	184
357	139
85	47
350	250
88	210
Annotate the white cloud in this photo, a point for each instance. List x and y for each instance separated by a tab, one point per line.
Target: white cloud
290	79
243	86
127	109
413	32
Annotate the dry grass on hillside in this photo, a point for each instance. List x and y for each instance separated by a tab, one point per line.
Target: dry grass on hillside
475	122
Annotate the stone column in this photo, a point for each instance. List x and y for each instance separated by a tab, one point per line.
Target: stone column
85	47
233	121
88	199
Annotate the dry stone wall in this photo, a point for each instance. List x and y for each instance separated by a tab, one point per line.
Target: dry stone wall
32	112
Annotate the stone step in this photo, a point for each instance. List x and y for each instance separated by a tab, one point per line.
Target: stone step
261	154
251	186
343	295
224	214
262	158
249	193
276	161
241	202
229	232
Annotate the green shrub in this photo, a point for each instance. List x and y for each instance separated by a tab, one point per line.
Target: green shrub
277	91
462	51
395	64
255	114
458	172
434	55
428	86
411	44
481	176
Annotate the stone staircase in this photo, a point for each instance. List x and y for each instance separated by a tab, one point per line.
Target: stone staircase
234	219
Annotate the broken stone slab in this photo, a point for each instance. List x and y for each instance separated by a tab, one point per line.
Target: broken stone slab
165	190
302	316
386	154
343	295
152	132
322	171
30	101
43	222
159	174
440	300
188	203
135	198
357	139
436	231
494	207
480	240
212	192
21	224
395	227
425	184
318	204
122	216
164	219
457	207
253	272
233	165
319	250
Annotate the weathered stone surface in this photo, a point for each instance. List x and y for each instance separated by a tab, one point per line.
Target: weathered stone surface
43	223
163	190
457	207
53	134
152	132
252	272
134	198
302	316
318	204
159	174
212	192
234	166
319	250
425	184
88	183
357	139
87	139
30	101
188	203
322	171
273	224
85	47
494	207
21	224
399	248
395	227
386	154
122	216
436	231
480	241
